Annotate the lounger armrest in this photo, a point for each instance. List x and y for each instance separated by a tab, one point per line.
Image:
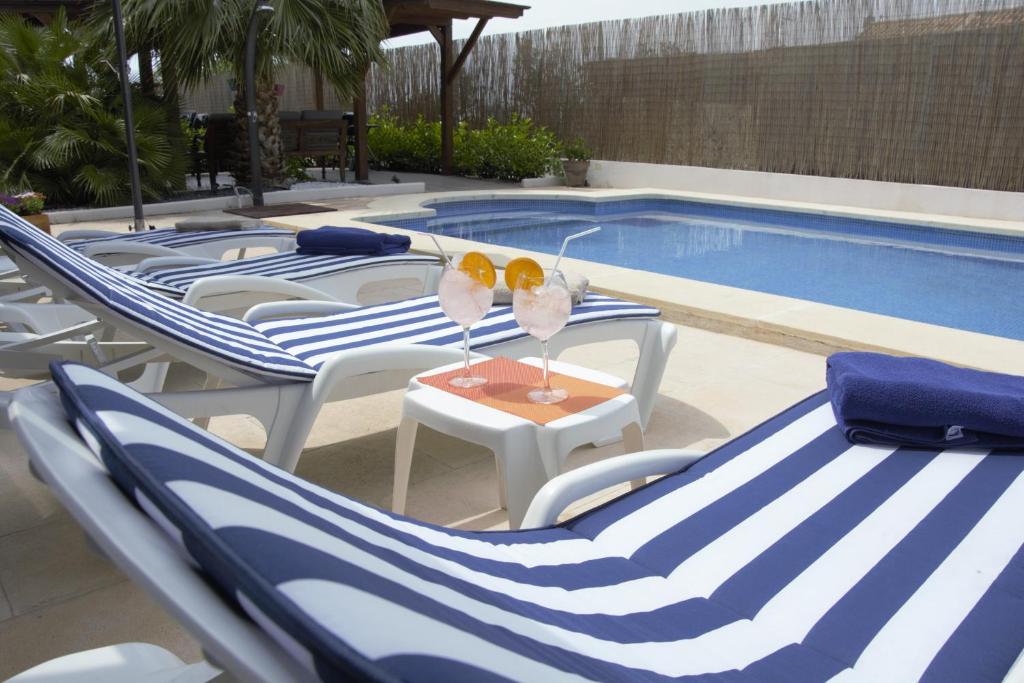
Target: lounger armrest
220	285
85	234
135	248
295	309
565	489
163	262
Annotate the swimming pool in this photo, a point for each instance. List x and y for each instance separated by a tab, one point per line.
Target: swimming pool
967	280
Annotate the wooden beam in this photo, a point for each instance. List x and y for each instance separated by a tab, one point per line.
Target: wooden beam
361	122
455	9
467	48
438	33
447	99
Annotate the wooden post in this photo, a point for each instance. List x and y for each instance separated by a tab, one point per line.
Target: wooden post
450	68
360	121
447	97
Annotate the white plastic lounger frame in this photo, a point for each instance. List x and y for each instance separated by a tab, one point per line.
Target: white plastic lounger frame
52	329
144	552
288	410
134	543
117	252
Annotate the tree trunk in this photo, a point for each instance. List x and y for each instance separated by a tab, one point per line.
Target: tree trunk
171	103
146	81
269	127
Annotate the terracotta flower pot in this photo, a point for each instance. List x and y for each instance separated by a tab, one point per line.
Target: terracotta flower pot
575	172
40	220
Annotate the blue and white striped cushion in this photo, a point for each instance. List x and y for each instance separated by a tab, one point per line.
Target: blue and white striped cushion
421	321
232	341
785	555
286	266
169	237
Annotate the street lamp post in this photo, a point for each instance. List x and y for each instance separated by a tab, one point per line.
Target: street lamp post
255	163
129	119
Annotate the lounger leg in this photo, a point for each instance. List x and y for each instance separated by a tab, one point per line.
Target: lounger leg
405	443
524	476
633	440
212	382
499	465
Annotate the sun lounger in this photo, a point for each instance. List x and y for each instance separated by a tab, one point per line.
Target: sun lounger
119	249
283	390
786	554
127	248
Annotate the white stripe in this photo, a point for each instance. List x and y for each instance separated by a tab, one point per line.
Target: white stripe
379	628
270	325
706	570
905	647
632	532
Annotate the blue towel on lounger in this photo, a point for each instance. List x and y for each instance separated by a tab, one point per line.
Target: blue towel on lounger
350	242
881	399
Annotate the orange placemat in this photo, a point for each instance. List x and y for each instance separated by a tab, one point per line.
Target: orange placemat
509	381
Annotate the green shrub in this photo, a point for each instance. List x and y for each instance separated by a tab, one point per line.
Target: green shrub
512	151
295	169
576	150
61	128
414	147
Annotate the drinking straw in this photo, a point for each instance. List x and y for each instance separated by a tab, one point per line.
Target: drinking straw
565	243
445	253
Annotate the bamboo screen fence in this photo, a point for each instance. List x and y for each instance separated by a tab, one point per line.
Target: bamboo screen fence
920	91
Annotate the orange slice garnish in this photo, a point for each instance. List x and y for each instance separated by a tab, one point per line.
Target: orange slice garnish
479	267
523	272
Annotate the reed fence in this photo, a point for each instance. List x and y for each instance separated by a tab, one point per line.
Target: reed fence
920	91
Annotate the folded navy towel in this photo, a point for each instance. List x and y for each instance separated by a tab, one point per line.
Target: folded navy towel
350	242
918	402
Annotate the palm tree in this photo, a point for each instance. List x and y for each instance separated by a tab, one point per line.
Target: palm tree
200	38
60	130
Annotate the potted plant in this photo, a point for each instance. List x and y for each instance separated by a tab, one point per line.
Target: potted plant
575	163
29	205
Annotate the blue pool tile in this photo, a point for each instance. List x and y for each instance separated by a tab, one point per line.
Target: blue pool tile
955	278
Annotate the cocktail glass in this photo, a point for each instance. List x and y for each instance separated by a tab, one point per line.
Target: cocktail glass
542	309
466	301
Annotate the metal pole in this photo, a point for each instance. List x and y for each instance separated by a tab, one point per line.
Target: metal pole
255	163
129	119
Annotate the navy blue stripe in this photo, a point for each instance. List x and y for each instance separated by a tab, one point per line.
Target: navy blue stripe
850	625
755	584
675	545
991	637
593	522
368	313
225	338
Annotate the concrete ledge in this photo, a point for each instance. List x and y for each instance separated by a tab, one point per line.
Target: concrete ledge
870	194
546	181
232	202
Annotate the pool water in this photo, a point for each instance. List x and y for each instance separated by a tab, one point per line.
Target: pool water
959	279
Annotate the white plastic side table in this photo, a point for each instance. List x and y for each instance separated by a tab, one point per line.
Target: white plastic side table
528	455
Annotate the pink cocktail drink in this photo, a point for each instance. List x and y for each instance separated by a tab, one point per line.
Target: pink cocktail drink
542	310
466	301
462	298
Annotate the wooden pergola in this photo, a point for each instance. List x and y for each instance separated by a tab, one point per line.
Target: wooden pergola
414	16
